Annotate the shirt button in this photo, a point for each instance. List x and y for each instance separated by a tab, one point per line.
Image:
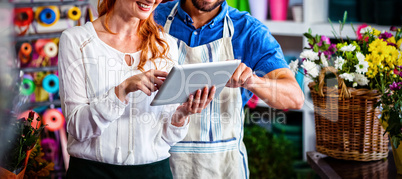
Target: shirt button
195	33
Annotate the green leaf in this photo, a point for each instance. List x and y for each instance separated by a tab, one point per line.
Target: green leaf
307	35
315	48
317	38
345	16
310	31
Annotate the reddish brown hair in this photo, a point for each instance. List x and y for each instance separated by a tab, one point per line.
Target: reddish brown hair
148	31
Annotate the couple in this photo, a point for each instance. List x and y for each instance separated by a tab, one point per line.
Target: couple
110	68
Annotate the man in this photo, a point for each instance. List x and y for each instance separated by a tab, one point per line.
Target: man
209	31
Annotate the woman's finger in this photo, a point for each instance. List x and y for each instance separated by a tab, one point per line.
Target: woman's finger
158	73
190	103
204	99
156	80
211	94
196	102
144	89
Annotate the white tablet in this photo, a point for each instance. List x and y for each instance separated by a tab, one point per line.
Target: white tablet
184	80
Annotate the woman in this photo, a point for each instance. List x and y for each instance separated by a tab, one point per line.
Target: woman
108	71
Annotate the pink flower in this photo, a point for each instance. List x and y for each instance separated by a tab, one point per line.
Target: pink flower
395	86
252	103
393	28
324	39
385	35
396	72
359	35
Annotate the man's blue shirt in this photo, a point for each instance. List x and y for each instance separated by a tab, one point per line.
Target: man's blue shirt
252	41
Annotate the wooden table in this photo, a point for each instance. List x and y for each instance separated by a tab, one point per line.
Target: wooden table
327	167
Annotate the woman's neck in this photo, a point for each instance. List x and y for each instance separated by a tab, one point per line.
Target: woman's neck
200	18
121	23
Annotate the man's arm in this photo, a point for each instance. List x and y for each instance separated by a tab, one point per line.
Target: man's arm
279	89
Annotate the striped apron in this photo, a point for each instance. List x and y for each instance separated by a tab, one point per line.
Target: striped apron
213	147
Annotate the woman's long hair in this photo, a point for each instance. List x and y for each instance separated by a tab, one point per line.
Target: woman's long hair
148	31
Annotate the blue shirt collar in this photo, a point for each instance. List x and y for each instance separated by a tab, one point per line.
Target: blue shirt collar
187	19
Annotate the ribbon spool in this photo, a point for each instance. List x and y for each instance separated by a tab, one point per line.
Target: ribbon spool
89	16
25	115
26	49
47	16
54	119
51	83
27	87
23	16
40	46
74	13
50	49
25	52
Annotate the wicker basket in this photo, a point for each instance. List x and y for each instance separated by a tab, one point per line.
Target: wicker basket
346	122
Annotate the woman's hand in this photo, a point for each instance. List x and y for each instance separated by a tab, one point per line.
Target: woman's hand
195	104
147	82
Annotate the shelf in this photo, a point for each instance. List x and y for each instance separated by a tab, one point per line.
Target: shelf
286	28
50	3
37	104
33	69
291	28
326	29
38	36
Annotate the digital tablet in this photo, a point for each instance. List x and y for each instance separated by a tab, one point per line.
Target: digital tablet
184	80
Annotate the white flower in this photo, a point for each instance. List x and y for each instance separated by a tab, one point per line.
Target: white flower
360	56
361	79
311	68
349	48
367	29
294	66
362	67
339	63
347	76
310	55
354	84
324	60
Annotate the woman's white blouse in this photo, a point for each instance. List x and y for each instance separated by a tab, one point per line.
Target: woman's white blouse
101	127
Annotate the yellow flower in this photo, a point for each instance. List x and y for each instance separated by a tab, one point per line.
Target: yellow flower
391	40
371	73
392	56
398	44
377	43
376	32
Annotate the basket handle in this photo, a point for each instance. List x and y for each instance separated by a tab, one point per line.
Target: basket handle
345	93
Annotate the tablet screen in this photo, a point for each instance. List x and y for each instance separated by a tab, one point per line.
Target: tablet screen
184	80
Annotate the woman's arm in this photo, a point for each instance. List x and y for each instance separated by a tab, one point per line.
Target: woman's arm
85	118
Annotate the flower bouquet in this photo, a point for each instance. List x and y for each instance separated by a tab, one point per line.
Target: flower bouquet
346	117
14	162
383	53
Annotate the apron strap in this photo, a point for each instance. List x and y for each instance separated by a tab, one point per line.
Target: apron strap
170	18
228	28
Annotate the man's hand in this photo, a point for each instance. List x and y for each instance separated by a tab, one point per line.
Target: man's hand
242	76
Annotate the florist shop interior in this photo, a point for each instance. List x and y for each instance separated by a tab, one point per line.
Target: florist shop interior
346	56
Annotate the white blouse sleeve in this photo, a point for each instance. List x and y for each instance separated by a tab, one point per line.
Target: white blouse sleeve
85	118
172	134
